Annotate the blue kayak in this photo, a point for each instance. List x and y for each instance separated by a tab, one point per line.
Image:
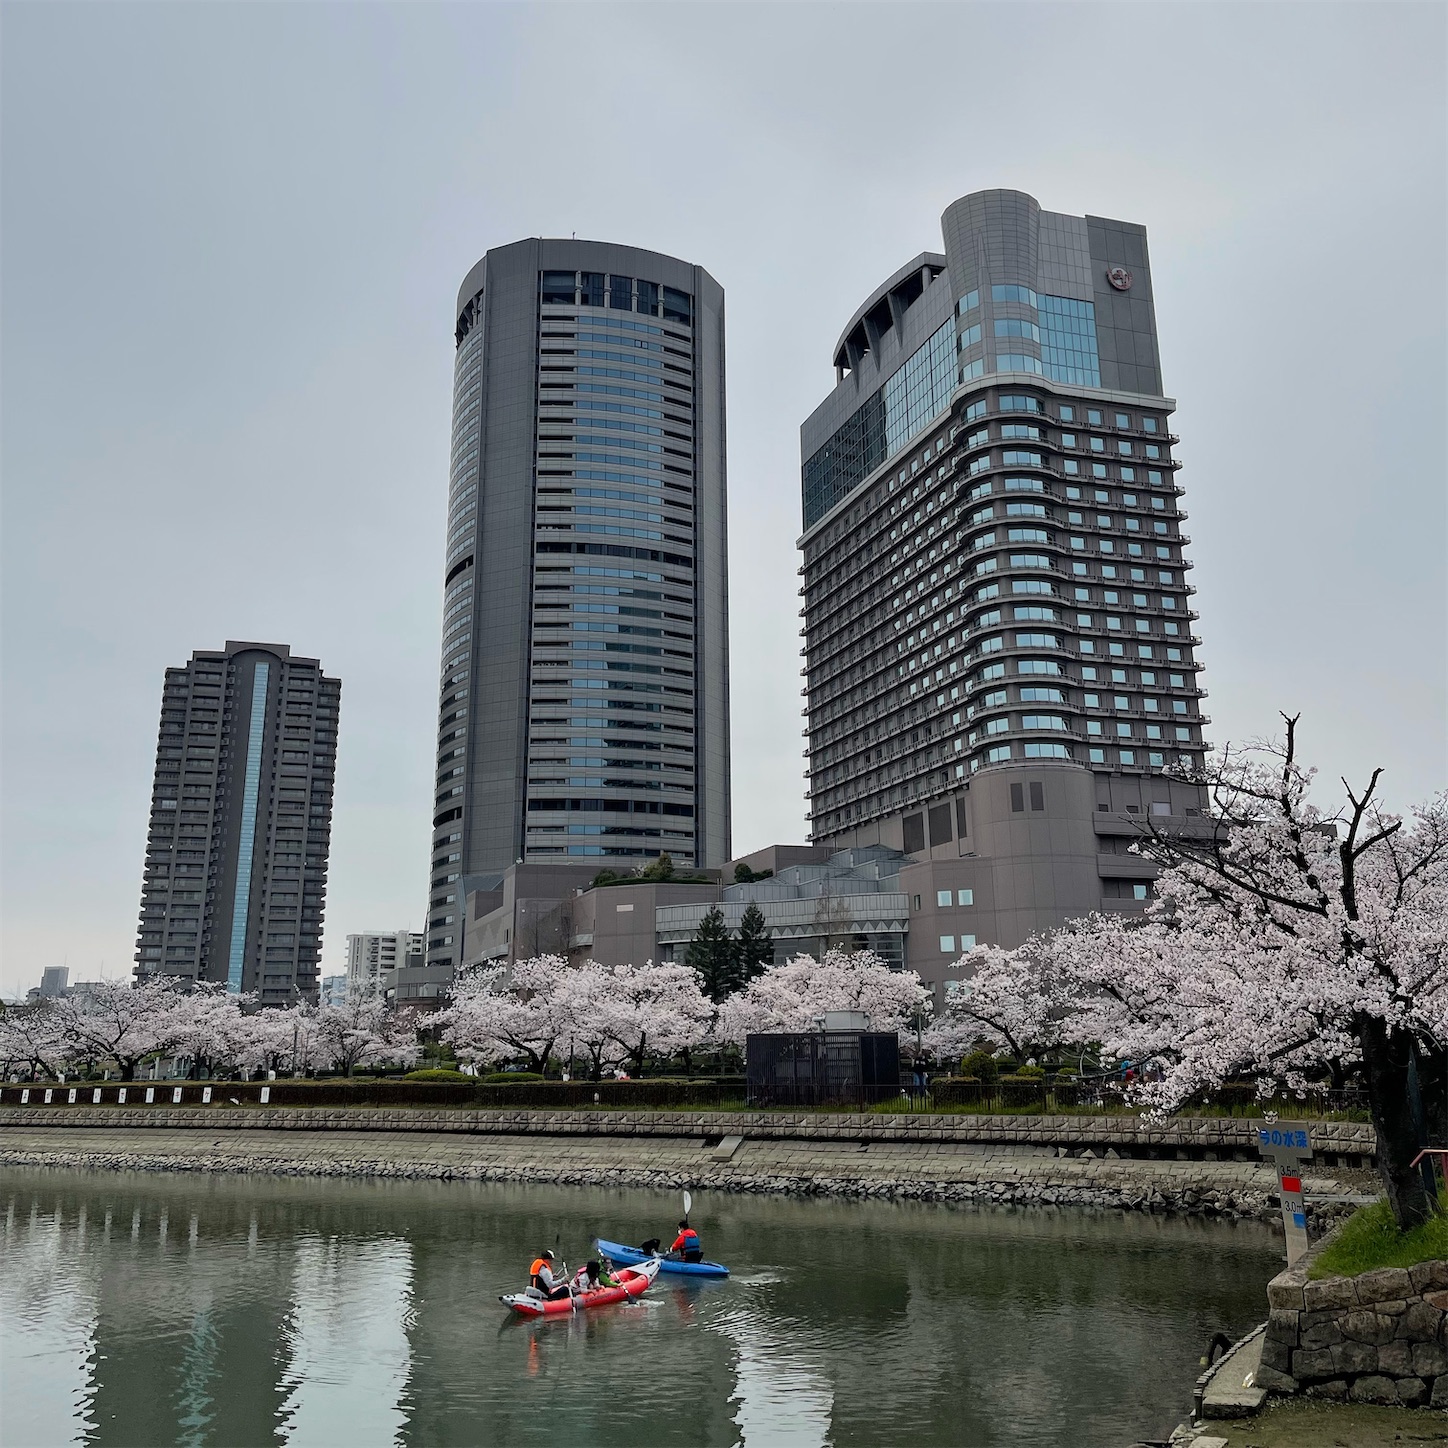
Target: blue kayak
632	1256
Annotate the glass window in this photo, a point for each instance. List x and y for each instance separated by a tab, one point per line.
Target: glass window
1098	444
967	942
1013	294
1013	403
970	336
620	293
965	897
591	289
947	942
1123	449
678	306
1068	341
968	302
1140	892
1128	756
1152	450
974	411
558	288
1036	750
1098	756
1093	416
1148	424
1017	362
1016	327
1065	413
1071	467
999	754
1068	439
942	897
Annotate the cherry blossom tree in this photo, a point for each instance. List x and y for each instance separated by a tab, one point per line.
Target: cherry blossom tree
655	1007
792	996
1285	941
587	998
1007	1000
362	1032
31	1040
501	1013
124	1022
211	1026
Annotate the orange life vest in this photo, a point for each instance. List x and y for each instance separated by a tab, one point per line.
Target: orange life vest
539	1263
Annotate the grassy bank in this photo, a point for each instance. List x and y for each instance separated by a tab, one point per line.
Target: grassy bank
1370	1239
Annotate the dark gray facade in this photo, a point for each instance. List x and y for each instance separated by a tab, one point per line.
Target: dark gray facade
241	821
1001	665
584	710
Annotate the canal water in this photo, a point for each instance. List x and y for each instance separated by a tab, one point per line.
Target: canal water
140	1310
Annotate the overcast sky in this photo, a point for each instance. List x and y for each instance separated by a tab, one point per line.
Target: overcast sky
233	235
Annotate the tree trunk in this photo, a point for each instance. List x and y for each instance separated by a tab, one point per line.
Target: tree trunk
1386	1057
128	1070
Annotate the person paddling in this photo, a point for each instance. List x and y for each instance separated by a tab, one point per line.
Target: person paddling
540	1276
687	1243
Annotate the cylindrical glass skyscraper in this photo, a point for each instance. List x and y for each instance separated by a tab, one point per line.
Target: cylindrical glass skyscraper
584	700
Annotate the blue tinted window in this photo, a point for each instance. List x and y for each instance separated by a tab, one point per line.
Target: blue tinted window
1017	362
1068	341
968	302
1010	403
649	297
1013	294
246	844
620	293
1016	327
591	289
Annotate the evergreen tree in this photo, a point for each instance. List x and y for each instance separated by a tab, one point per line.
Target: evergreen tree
754	949
713	957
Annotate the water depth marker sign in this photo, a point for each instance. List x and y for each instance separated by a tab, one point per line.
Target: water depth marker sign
1288	1145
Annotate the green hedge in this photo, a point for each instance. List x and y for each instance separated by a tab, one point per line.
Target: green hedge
957	1091
1022	1090
558	1095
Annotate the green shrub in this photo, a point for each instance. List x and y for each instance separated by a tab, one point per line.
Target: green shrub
438	1073
1031	1071
1021	1090
509	1078
957	1091
980	1066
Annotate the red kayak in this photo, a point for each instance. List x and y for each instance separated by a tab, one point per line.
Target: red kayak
632	1282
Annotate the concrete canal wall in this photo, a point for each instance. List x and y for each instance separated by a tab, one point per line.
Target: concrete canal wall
1194	1165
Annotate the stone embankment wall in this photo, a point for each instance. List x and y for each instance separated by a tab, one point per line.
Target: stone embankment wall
1381	1337
1348	1144
1197	1166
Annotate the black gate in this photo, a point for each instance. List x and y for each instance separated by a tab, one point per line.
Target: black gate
822	1068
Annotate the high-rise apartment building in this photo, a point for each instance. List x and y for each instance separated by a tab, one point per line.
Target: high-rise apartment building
241	819
584	710
1002	668
372	952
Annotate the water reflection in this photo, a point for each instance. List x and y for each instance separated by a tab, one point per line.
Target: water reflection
140	1310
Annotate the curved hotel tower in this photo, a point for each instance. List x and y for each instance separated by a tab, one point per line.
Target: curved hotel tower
584	702
1001	666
